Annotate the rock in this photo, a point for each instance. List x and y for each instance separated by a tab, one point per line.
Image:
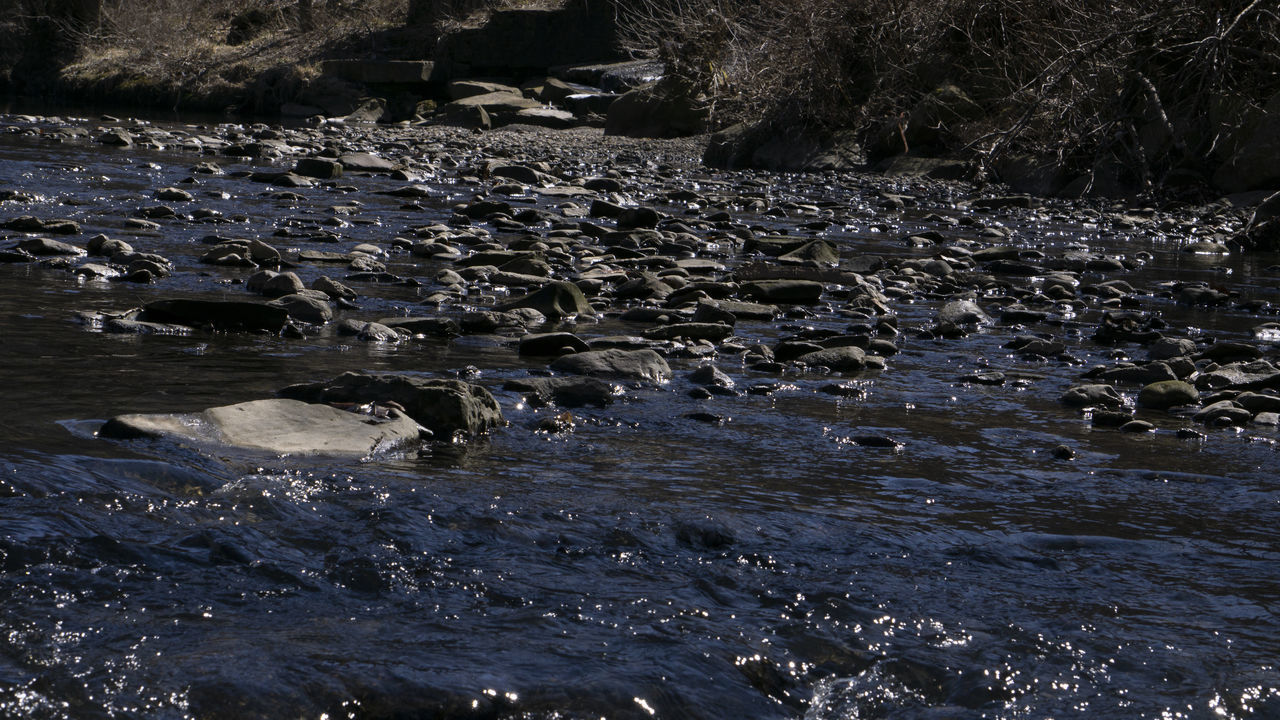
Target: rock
645	365
334	289
711	375
690	331
173	194
445	407
96	271
228	255
1223	412
554	300
488	321
1092	395
1255	375
321	168
1258	403
281	179
740	310
28	223
426	326
462	89
842	359
277	426
105	246
280	284
306	308
817	252
367	110
1137	426
1168	347
217	314
637	217
366	162
376	332
659	110
1230	352
546	117
567	391
962	313
1168	393
44	247
1150	373
801	292
555	343
1263	230
499	107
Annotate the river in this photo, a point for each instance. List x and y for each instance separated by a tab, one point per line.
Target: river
643	565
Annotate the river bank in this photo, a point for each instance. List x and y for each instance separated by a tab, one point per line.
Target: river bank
886	447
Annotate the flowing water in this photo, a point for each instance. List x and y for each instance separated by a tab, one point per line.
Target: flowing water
643	565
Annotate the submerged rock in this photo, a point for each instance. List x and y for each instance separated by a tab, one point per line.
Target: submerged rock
277	426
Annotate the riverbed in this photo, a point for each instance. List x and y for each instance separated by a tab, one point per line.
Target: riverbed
896	543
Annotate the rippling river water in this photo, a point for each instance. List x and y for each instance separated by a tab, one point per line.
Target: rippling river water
643	565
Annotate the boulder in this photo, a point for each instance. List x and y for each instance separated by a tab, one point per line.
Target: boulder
498	107
817	252
661	110
445	407
645	365
842	359
306	308
28	223
959	315
315	167
802	292
1224	412
553	343
1166	394
554	300
45	247
277	426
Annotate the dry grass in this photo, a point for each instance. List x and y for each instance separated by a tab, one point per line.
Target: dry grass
163	51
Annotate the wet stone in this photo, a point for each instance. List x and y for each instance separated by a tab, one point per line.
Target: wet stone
555	343
1092	395
643	365
1168	393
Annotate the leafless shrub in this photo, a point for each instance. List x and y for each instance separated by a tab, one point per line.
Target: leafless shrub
1150	84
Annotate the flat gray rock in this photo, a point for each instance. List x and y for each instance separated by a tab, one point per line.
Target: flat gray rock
277	426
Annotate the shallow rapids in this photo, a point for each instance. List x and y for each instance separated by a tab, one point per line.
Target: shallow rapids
905	545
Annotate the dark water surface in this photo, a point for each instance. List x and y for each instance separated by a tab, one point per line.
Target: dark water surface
644	565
